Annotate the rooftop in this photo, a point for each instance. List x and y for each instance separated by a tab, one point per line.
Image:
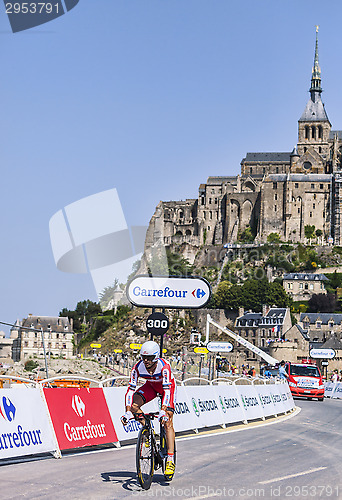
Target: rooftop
305	276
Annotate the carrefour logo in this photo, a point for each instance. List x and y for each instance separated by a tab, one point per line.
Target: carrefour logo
20	438
132	426
78	405
7	409
194	407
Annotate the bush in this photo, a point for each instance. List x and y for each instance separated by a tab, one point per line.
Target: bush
30	365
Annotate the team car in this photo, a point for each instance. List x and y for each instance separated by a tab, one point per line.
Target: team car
305	380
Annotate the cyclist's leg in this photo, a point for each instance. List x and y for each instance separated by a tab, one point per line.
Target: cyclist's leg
170	432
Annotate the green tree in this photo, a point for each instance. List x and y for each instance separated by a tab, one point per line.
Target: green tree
318	233
273	238
309	231
246	236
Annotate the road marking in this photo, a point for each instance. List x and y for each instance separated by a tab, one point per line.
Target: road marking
205	496
292	475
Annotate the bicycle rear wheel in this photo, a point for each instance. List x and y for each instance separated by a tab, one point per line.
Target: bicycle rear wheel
145	458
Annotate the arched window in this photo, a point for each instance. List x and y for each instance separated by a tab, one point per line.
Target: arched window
307	133
307	165
313	132
188	232
320	132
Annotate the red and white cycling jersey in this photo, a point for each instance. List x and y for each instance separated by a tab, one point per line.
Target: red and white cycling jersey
161	382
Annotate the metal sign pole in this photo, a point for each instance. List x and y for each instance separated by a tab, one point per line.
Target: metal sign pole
46	365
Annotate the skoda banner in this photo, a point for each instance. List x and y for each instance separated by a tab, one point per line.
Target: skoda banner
115	397
24	425
230	403
80	417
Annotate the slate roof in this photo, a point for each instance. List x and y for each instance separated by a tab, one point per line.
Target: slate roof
305	276
57	324
275	316
332	343
314	110
324	317
300	177
267	157
333	132
221	179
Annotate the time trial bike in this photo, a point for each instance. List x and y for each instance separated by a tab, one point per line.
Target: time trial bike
150	455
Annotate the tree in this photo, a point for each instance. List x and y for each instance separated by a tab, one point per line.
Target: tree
322	303
246	236
319	233
309	231
273	238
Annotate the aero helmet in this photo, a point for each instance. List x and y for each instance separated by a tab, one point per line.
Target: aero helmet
150	348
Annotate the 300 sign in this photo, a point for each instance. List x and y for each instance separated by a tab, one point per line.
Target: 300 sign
157	323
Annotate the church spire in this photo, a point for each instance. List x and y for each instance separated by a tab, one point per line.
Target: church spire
316	71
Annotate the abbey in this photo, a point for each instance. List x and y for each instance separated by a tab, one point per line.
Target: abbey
278	192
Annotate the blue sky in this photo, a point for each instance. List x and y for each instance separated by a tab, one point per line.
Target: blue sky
150	97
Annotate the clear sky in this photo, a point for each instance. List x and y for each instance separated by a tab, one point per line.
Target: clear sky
149	97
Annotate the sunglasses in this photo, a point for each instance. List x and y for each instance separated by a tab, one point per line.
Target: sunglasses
148	358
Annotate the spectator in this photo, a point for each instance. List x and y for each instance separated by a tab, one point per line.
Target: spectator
282	370
335	378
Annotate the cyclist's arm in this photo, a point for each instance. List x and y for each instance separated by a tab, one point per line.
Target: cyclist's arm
131	388
167	387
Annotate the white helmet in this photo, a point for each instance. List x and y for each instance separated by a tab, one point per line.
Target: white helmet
150	348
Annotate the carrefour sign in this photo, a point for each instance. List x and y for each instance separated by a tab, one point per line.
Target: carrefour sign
171	292
322	353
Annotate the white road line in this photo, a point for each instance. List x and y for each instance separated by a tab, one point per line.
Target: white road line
205	496
292	475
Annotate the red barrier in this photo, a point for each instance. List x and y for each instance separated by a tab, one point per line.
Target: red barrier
80	417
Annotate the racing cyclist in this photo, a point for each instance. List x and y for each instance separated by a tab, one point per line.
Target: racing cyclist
159	380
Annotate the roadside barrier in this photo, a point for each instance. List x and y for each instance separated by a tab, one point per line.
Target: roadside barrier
36	417
333	390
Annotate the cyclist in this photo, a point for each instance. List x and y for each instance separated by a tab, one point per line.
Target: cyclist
159	381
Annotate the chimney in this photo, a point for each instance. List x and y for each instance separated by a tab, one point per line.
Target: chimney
241	311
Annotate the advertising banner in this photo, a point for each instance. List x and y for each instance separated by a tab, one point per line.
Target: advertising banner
185	417
286	396
337	393
329	388
115	397
267	403
230	403
276	395
250	401
24	424
80	417
205	405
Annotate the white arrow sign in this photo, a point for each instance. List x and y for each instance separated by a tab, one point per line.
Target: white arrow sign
219	346
322	353
171	292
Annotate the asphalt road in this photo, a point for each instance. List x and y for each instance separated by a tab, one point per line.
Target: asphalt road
296	458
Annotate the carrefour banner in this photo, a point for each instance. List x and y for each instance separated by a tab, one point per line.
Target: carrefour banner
24	425
115	397
80	417
230	403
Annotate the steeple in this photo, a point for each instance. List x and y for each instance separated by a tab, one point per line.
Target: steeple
316	72
314	110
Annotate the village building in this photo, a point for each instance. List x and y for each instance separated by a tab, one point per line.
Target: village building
302	286
27	337
262	328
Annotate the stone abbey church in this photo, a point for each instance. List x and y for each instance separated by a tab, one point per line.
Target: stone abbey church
275	192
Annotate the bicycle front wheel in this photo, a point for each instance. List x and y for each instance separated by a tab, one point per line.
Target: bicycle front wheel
145	458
